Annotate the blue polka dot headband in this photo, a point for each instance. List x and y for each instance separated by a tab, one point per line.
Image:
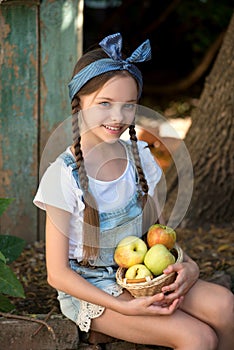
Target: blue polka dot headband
112	45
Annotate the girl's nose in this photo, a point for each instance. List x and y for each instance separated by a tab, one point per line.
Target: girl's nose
117	114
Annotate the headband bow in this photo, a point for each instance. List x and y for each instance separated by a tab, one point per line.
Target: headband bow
112	45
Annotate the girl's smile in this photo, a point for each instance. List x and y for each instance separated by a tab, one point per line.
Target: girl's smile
113	129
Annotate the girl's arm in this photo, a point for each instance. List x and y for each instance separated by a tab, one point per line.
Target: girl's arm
63	278
59	274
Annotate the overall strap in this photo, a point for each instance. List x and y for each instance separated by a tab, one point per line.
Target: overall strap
70	161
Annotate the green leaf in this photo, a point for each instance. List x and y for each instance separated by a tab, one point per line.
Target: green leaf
2	257
4	203
5	304
9	284
11	247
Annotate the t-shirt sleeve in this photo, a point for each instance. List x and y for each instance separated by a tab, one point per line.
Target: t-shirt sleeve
151	169
59	189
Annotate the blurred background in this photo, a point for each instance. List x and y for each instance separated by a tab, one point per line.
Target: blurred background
184	35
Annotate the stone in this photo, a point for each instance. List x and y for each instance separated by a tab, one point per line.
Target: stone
17	334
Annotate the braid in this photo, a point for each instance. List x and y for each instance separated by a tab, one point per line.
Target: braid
91	216
133	138
149	215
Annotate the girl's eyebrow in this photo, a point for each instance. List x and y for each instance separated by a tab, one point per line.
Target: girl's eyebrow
111	100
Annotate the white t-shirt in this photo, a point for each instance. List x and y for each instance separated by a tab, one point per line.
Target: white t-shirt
59	189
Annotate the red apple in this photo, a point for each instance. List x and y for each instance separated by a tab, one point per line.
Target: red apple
159	234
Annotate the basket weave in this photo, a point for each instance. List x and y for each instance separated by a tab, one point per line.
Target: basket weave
149	287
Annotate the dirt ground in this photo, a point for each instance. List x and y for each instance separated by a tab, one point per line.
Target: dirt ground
212	249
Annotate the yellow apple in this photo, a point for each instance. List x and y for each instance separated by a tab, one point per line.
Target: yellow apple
159	234
158	258
130	251
138	271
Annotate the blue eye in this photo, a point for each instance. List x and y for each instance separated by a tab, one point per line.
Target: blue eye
105	104
129	105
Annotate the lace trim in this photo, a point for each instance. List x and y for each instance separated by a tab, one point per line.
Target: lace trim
88	311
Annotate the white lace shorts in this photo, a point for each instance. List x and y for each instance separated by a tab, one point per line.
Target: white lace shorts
82	312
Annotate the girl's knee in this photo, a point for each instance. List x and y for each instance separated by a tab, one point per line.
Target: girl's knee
209	340
228	304
226	307
202	338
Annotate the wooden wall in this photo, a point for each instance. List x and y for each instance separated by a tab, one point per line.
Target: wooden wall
39	44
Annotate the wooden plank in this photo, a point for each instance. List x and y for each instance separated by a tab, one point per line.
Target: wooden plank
36	60
19	2
59	53
19	118
58	57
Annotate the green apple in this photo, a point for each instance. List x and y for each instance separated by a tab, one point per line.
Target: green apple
158	258
159	234
130	251
138	271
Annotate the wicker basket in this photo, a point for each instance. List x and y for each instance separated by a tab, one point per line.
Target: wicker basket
148	286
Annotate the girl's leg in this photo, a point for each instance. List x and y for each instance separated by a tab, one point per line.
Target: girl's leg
214	305
179	331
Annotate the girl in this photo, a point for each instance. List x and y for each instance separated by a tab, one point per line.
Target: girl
100	190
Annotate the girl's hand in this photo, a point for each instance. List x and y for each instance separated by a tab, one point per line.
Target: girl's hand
187	275
150	305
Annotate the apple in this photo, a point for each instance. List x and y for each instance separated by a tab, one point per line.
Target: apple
138	271
159	234
158	258
130	251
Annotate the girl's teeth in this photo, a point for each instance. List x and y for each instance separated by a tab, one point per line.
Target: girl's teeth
111	128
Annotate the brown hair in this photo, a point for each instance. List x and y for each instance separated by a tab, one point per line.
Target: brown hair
91	227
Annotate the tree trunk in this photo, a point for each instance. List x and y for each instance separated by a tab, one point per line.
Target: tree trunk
210	144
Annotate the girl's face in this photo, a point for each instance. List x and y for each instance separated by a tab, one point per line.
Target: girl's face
108	112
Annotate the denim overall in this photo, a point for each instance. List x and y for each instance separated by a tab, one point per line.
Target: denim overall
114	226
